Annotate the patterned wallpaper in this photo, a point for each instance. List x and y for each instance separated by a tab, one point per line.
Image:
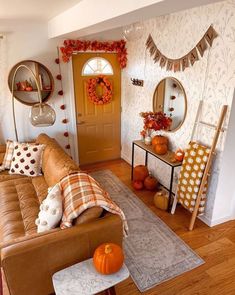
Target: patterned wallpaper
212	79
3	71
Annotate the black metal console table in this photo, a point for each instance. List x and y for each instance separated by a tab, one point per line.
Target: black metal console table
164	158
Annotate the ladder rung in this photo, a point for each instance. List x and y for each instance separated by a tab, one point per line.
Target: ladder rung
210	125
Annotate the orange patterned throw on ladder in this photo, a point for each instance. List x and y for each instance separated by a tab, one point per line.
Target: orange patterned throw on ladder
80	192
190	178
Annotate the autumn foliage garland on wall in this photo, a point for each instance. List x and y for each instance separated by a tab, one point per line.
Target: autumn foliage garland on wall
71	46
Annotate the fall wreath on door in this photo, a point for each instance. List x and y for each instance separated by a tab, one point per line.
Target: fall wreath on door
99	90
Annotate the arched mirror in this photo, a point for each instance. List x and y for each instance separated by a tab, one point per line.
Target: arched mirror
170	98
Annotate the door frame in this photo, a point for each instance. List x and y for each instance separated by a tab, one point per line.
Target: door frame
71	102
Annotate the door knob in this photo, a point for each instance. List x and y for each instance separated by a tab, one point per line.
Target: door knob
79	114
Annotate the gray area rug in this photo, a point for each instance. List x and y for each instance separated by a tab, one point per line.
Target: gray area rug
153	252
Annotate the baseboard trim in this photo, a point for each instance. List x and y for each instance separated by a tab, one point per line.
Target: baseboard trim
215	222
206	220
126	158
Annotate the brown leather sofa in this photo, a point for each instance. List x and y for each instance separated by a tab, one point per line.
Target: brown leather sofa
29	259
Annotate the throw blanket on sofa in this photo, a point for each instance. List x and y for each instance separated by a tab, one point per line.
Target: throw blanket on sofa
80	192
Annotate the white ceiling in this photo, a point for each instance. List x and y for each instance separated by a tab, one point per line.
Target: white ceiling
87	19
36	10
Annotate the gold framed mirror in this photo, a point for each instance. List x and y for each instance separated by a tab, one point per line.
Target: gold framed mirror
170	98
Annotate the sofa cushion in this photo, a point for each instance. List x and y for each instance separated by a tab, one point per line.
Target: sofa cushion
4	175
19	206
89	215
41	187
55	162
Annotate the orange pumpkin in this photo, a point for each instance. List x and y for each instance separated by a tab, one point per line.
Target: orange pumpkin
140	172
150	182
159	139
108	258
161	149
138	184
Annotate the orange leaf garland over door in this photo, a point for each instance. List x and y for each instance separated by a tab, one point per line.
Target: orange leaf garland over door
98	126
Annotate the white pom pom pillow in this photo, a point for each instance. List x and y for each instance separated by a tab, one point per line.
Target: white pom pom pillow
50	212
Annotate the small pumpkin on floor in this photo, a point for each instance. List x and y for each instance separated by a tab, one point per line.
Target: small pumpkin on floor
108	258
138	185
150	183
140	172
161	200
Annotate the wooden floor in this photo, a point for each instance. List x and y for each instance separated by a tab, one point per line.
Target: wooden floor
215	245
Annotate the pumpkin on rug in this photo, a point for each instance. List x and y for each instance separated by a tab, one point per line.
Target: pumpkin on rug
153	252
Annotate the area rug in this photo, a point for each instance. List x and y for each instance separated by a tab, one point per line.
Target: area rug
153	252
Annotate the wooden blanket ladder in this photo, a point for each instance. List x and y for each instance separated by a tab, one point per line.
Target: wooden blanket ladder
218	128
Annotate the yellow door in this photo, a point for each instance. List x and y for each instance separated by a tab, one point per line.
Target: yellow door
98	126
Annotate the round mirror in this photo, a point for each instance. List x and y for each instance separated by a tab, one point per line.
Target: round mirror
170	98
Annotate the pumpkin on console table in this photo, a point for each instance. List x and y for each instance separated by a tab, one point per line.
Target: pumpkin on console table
160	144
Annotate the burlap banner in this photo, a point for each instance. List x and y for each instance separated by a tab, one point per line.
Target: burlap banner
180	64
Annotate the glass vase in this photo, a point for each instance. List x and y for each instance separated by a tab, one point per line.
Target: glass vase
148	140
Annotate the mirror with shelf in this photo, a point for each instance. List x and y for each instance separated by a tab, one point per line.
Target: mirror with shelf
170	98
25	89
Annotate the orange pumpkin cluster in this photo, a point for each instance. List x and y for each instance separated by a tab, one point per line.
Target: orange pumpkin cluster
160	144
106	90
142	179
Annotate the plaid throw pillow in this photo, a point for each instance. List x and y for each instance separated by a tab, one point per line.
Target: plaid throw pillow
6	164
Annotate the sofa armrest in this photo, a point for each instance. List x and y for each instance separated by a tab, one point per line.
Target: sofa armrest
29	265
2	152
2	148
